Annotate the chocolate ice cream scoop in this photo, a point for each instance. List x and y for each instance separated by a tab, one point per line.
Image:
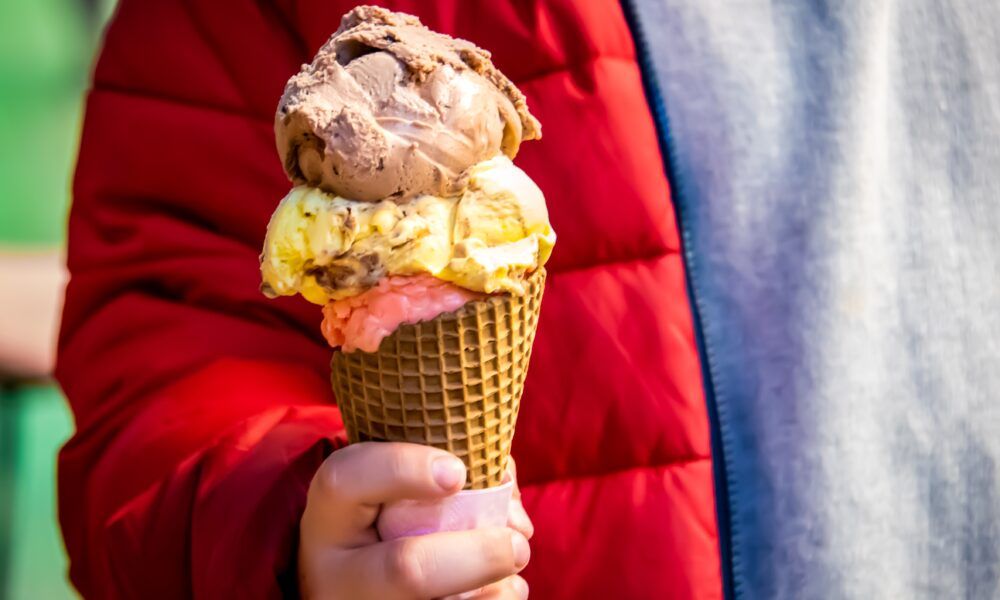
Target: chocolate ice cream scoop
391	109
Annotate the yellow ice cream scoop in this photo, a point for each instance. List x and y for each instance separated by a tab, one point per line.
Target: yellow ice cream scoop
487	239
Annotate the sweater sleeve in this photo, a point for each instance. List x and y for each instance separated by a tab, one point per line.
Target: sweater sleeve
199	494
202	409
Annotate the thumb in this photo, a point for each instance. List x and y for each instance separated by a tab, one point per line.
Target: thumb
352	483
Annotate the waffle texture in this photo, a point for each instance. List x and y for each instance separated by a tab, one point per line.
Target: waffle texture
453	382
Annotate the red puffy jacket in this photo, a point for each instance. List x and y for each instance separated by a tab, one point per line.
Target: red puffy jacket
203	409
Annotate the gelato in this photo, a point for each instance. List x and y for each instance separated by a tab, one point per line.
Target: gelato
485	239
361	322
406	203
391	109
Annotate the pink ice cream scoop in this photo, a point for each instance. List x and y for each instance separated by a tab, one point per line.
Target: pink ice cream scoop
361	322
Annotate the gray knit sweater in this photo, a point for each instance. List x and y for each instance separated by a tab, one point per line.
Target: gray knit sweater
837	170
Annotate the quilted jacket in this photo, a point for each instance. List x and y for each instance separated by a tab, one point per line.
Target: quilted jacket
203	408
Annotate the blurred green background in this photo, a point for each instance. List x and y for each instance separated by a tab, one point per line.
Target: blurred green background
46	52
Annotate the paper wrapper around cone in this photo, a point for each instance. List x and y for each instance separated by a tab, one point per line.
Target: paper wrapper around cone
453	382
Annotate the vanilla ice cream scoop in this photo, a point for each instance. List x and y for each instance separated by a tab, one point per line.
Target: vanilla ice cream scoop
389	109
487	239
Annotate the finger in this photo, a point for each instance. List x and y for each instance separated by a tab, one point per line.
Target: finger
518	587
517	517
512	471
438	564
518	520
348	488
512	588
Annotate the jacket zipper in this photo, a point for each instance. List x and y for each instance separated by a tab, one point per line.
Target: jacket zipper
721	443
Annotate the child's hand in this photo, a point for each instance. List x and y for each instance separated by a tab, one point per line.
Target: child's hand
340	555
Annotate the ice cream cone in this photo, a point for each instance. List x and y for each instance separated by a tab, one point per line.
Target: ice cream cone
453	382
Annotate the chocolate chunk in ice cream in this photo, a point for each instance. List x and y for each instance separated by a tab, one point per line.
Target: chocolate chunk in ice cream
391	109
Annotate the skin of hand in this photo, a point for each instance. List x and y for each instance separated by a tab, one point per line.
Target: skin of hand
342	557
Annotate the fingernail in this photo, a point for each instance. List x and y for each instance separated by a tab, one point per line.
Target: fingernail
448	471
520	586
522	552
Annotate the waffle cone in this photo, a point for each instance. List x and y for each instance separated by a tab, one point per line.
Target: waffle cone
453	382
